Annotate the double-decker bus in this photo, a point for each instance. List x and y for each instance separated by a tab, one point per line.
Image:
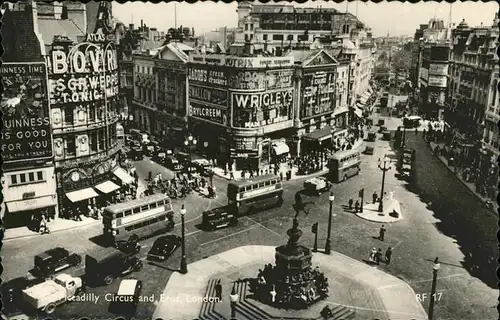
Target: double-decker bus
252	195
344	165
144	217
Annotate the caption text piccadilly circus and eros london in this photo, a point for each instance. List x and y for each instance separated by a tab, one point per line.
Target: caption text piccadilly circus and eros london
110	297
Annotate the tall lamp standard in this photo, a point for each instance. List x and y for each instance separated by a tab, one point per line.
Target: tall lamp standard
183	269
189	142
382	165
328	245
404	137
435	269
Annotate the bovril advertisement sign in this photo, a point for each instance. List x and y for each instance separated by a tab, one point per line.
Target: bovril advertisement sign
83	73
26	132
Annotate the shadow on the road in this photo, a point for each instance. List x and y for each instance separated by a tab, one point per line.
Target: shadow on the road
163	267
101	241
460	214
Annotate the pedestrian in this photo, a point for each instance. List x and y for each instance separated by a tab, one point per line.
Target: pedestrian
281	175
378	256
218	291
150	176
356	206
372	254
350	203
243	174
231	175
416	131
388	255
375	197
381	233
273	294
43	226
251	173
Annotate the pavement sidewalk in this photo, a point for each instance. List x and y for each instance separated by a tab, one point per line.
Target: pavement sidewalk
470	185
183	295
284	168
59	224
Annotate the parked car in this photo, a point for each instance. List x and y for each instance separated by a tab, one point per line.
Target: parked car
372	136
369	150
386	135
114	265
317	185
54	260
164	247
126	299
47	295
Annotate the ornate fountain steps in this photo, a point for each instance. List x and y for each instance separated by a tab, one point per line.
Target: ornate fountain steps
340	313
245	309
207	311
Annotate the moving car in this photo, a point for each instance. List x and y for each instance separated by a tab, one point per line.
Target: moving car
164	247
54	260
317	185
386	135
369	150
114	265
372	136
126	299
47	295
218	218
412	121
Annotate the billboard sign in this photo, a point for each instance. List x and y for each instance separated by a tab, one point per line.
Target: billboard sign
318	94
210	95
214	77
208	113
263	100
248	80
26	133
438	69
279	79
84	73
437	81
242	62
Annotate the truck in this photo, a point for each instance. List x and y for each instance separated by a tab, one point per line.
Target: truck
54	260
47	295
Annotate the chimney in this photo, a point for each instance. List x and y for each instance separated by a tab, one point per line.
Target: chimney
142	24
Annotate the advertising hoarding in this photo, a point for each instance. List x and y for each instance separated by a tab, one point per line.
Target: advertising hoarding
202	75
248	80
26	134
263	100
86	72
242	62
438	69
437	81
210	95
318	94
279	79
424	74
208	113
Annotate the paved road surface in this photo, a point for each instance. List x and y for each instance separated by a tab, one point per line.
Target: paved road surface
441	218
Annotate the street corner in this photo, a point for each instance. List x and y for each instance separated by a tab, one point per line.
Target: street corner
391	212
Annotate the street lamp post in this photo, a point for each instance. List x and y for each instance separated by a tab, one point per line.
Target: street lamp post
384	168
183	269
328	245
189	142
435	269
404	137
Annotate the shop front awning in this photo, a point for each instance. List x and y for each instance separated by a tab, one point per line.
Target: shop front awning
123	175
360	105
280	148
319	135
83	194
358	113
31	204
107	187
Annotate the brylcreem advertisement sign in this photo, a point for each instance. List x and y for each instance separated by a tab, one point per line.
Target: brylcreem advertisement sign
26	134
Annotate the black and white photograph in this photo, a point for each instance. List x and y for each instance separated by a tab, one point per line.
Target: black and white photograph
250	160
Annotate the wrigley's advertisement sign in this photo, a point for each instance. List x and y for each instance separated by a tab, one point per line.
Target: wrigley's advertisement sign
26	132
263	100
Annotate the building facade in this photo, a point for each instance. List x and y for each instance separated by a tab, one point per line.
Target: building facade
276	26
28	180
473	97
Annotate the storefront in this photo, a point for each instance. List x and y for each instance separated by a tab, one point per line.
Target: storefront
27	193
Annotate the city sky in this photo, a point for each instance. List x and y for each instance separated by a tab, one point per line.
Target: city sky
393	17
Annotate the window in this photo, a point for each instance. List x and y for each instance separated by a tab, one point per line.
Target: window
153	205
251	26
92	113
268	183
119	215
129	228
93	141
246	27
70	145
162	218
144	208
128	212
23	178
136	210
160	203
13	179
31	177
264	37
277	37
69	114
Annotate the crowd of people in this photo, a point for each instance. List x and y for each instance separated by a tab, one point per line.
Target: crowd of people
180	185
277	288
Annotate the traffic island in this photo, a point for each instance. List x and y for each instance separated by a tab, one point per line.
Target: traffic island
356	290
391	212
